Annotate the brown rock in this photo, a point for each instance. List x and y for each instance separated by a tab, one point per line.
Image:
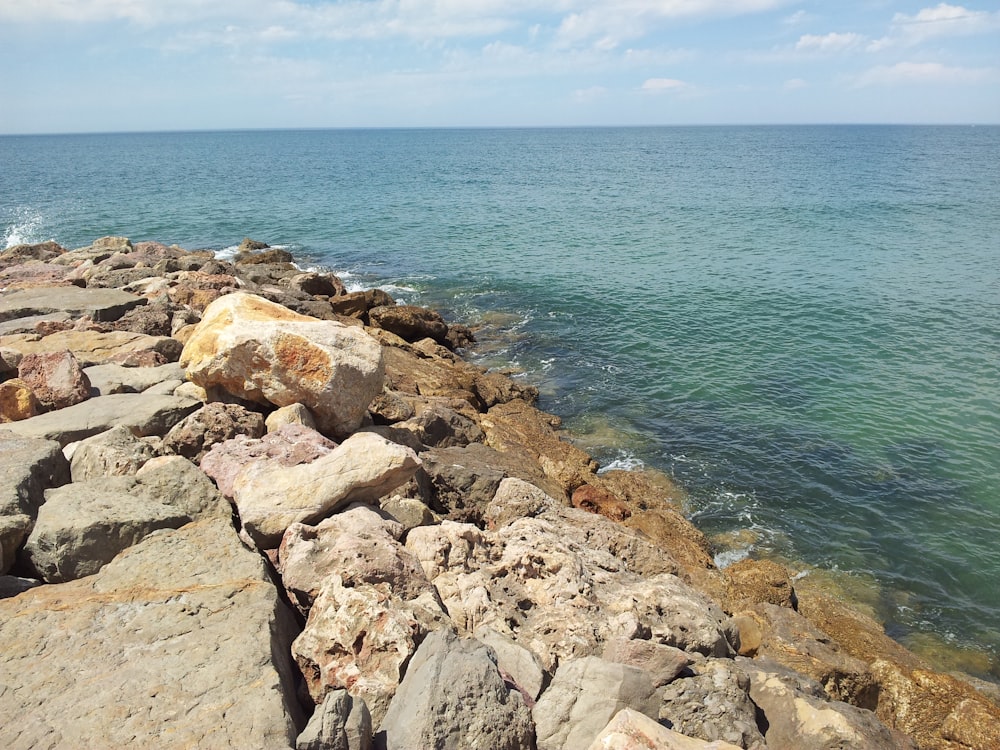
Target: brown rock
753	581
214	423
55	378
41	251
410	322
595	500
17	401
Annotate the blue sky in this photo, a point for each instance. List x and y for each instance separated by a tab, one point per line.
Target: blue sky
113	65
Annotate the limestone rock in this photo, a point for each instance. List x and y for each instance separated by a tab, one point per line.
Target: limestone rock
114	453
17	401
96	347
99	304
113	378
584	696
82	526
55	378
144	414
596	500
752	581
291	414
453	696
364	467
316	284
631	730
181	642
213	423
663	662
263	352
494	388
437	426
517	664
179	484
339	723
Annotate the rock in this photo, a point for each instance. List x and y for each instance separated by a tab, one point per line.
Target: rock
453	696
494	388
752	581
18	254
316	284
14	585
213	423
250	256
198	289
360	545
360	639
99	304
664	663
108	379
410	323
795	720
263	352
290	445
17	401
364	467
291	414
631	730
437	426
34	276
178	483
357	304
40	324
595	500
95	348
154	319
82	526
713	705
518	666
407	511
584	696
340	723
181	641
143	414
55	378
114	453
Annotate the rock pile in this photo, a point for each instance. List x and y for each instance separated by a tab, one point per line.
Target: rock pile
242	507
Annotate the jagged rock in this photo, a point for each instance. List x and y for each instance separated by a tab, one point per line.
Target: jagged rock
108	379
41	251
713	704
408	511
631	730
291	414
262	352
389	407
96	347
409	373
364	467
357	304
796	719
518	665
199	289
360	639
17	401
584	696
289	445
494	388
154	319
114	453
453	696
82	526
144	414
55	378
339	723
180	642
255	256
213	423
99	304
596	500
360	544
316	284
410	323
752	581
664	663
437	426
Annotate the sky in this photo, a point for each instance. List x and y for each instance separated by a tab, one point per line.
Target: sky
152	65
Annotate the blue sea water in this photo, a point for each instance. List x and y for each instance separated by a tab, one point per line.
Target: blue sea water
800	324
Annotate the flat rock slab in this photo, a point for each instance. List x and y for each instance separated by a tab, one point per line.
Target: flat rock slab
27	325
94	347
144	414
109	379
180	642
99	304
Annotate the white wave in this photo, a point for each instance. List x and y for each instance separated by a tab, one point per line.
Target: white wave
24	230
623	463
731	556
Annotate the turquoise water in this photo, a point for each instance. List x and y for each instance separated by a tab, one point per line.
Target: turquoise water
801	324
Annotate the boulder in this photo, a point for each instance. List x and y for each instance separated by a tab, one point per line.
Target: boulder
596	500
518	665
112	378
270	497
178	483
664	663
144	414
82	526
453	696
35	275
55	378
410	323
40	324
339	723
584	696
213	423
198	289
263	352
97	347
316	284
17	401
753	581
631	730
41	251
291	414
114	453
14	585
180	642
99	304
438	426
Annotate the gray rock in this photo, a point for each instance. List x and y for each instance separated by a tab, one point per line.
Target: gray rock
339	723
111	378
99	304
14	585
178	483
181	642
437	426
213	423
82	526
453	697
28	324
518	665
584	696
713	704
142	413
663	662
115	453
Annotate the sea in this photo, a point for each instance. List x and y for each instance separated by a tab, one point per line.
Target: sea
800	325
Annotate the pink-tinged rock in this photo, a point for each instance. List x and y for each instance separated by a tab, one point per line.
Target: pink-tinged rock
631	730
290	445
270	497
55	378
213	423
261	351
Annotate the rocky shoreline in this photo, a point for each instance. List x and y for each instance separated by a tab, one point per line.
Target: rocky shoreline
243	507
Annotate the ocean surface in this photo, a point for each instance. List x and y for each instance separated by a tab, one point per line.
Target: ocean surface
800	324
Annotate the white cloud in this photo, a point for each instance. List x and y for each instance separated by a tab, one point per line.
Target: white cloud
797	18
662	85
832	42
589	95
917	73
792	84
939	21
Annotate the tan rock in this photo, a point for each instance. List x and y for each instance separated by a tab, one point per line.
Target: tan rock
632	730
95	347
753	581
291	414
263	352
17	401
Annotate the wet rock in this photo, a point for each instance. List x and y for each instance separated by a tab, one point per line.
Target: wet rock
262	352
213	423
339	723
494	388
55	378
453	696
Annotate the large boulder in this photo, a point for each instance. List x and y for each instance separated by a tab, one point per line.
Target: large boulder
454	696
111	378
263	352
181	642
340	723
410	322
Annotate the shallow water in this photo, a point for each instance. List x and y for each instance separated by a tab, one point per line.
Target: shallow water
800	324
